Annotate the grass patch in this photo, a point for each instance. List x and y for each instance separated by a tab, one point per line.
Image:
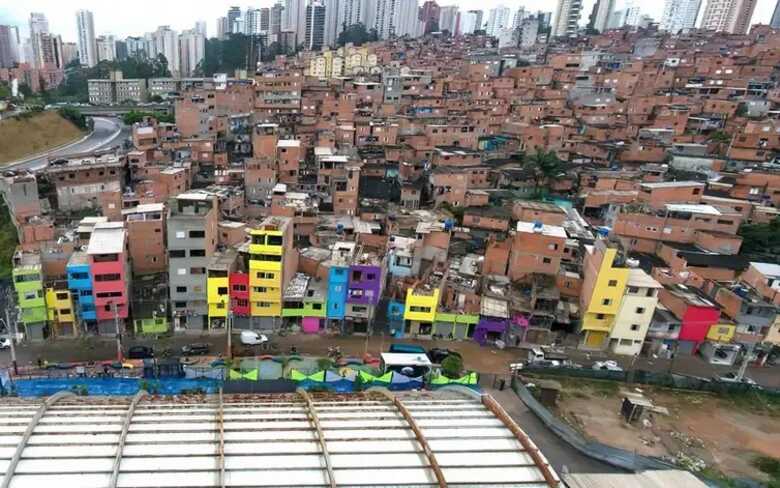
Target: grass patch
34	133
769	466
8	241
754	401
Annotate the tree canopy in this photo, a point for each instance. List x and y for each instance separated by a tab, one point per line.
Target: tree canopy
356	34
545	165
228	55
761	241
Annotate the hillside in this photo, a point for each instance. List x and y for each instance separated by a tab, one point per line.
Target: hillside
34	133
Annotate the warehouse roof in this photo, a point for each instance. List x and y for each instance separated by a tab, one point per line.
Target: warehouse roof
366	439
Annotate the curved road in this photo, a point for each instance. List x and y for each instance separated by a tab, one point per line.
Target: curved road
107	132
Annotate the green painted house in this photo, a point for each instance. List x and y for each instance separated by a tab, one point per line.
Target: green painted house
28	284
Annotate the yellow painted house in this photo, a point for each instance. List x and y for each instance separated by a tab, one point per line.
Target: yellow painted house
265	272
421	305
60	312
602	292
722	332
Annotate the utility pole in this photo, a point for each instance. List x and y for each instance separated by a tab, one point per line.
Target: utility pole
229	327
118	335
745	361
12	335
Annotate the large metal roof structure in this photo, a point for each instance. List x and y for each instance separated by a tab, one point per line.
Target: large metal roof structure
286	440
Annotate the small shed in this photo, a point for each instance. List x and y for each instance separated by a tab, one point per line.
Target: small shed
634	406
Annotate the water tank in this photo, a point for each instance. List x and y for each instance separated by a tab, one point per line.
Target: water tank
339	228
448	224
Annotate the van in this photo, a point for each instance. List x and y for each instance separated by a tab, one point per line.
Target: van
535	354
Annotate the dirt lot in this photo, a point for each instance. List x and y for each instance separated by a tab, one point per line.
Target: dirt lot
726	433
34	134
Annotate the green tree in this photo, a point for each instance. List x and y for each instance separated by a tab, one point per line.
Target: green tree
356	34
134	116
75	116
452	366
545	165
761	239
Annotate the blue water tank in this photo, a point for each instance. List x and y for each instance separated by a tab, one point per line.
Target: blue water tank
448	224
339	228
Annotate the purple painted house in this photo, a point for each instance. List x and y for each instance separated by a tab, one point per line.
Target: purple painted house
490	329
365	284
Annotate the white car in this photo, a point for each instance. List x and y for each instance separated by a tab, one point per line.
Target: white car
5	343
252	338
607	366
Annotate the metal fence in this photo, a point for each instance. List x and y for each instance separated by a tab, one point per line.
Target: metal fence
613	456
654	378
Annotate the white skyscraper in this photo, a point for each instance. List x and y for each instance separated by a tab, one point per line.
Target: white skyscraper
252	21
192	50
731	16
85	24
200	26
38	26
294	18
469	21
165	41
604	10
567	18
517	19
396	18
498	18
106	48
449	19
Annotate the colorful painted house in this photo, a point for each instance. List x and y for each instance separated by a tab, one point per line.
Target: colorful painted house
239	293
60	311
304	303
80	286
454	325
366	283
218	270
108	265
421	306
28	284
696	312
272	264
338	280
604	284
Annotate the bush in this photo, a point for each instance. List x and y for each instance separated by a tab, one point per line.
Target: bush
75	116
452	366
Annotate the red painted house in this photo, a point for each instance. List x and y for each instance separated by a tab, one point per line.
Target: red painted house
695	312
239	293
108	266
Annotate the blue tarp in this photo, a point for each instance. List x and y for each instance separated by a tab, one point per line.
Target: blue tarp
111	386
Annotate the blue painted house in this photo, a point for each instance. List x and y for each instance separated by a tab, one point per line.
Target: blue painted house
80	286
338	279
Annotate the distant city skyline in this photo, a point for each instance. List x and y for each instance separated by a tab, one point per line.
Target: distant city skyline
131	19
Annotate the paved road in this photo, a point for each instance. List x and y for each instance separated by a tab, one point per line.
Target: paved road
107	132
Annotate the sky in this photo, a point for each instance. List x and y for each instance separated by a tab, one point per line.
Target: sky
126	18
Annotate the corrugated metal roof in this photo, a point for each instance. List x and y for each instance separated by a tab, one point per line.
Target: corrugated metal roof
267	441
647	479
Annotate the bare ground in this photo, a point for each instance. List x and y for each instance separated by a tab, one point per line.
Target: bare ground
34	134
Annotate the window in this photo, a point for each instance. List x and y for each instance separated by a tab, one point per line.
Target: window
65	311
181	289
105	258
267	257
371	276
633	289
357	275
109	294
107	277
222	290
197	234
274	240
73	276
546	260
239	287
640	310
599	316
414	308
339	271
626	342
634	327
180	234
265	276
358	309
180	304
316	306
612	283
197	271
178	253
220	305
62	296
606	301
181	271
260	289
197	253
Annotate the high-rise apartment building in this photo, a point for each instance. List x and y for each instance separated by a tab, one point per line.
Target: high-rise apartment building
200	26
396	18
165	41
567	18
38	25
85	25
679	15
9	45
518	17
222	28
315	26
294	18
49	51
471	21
449	19
498	18
276	22
252	21
192	50
732	16
331	28
234	13
136	46
601	14
106	48
265	20
429	16
70	52
775	22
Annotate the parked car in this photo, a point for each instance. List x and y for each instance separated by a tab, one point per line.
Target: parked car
438	354
608	365
732	377
406	349
5	343
546	363
252	338
197	349
140	352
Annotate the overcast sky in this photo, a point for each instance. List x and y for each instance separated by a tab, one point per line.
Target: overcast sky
124	18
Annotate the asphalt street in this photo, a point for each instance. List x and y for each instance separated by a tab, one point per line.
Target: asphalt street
107	132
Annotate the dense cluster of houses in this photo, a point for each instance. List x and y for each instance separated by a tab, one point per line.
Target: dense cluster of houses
413	201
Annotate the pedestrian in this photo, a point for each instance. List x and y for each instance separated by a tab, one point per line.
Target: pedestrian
40	363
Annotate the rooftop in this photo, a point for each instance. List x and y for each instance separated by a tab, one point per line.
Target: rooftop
107	238
671	184
281	440
537	228
693	208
